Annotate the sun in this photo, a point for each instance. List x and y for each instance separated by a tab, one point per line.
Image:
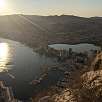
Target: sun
2	4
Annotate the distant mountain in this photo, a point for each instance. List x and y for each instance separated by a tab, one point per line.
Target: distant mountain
41	30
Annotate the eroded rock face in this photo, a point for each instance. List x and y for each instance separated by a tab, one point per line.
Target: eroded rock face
91	90
66	96
86	86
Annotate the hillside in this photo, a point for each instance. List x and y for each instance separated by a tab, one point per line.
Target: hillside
41	30
84	85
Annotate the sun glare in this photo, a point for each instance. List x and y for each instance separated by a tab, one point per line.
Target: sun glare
2	4
4	49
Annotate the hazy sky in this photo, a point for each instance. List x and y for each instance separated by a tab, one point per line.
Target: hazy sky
52	7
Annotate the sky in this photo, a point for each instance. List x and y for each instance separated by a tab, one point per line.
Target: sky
85	8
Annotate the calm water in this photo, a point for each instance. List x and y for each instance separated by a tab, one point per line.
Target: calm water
76	48
23	66
19	65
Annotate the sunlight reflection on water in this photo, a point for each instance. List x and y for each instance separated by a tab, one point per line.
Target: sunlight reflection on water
4	54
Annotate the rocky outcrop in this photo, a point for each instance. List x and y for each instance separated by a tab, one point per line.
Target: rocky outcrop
84	85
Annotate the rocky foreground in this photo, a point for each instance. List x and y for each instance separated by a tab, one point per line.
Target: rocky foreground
77	86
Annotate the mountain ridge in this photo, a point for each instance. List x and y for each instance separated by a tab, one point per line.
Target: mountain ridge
34	30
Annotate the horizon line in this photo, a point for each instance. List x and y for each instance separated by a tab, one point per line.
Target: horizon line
49	15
